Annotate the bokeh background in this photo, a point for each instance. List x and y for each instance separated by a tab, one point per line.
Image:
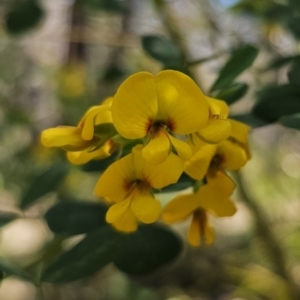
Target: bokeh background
59	57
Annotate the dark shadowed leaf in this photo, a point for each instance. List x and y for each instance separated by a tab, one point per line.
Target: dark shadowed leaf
281	62
233	93
162	49
5	218
71	218
239	61
294	73
9	268
277	101
113	6
44	183
250	120
147	249
291	121
91	254
23	15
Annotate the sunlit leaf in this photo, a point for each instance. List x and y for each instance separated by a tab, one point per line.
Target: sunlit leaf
147	249
5	218
291	121
277	101
233	93
91	254
162	49
239	61
44	183
9	268
71	218
23	15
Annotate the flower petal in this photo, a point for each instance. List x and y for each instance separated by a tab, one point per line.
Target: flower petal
116	181
135	105
116	212
145	207
158	148
157	176
194	232
179	208
209	234
217	108
216	131
66	137
128	223
197	166
233	155
183	150
181	103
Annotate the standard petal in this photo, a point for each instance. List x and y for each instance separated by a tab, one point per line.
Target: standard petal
218	109
216	131
158	148
209	233
116	181
145	207
181	103
128	223
197	166
183	150
66	137
233	155
224	184
194	232
134	107
179	208
116	212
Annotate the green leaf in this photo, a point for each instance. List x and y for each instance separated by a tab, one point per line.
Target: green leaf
44	183
162	49
294	25
279	62
291	121
6	218
277	101
250	120
22	16
9	268
71	218
240	60
183	182
150	247
233	93
94	252
113	6
294	73
105	131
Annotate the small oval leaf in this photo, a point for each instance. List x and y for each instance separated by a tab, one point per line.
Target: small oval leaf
71	218
233	93
145	250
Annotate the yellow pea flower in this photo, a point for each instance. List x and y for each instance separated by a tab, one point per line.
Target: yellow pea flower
213	198
232	153
218	127
127	183
80	141
153	107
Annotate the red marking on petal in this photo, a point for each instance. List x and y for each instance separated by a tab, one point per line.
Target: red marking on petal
171	124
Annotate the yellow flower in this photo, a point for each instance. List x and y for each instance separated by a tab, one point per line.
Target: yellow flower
232	153
127	183
218	127
83	143
153	107
213	198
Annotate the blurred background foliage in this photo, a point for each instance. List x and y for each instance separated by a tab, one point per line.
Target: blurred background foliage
57	58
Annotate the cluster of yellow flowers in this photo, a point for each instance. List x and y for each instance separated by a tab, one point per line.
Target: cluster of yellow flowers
176	129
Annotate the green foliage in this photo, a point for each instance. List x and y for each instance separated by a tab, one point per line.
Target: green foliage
23	16
291	121
294	73
44	183
279	62
183	182
71	218
163	50
250	120
147	249
233	93
277	101
9	268
95	251
6	218
105	131
113	6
